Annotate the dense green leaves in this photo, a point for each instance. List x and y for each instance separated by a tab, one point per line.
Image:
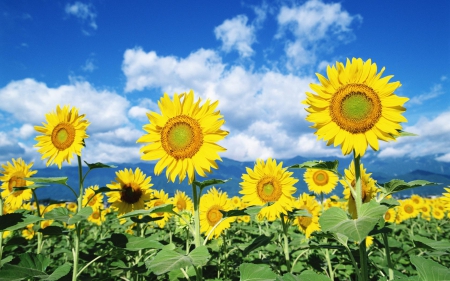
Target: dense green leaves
259	241
63	215
430	244
429	270
256	272
16	221
133	243
170	260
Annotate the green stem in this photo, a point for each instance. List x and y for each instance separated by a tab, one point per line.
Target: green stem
363	261
355	265
358	186
76	249
388	256
285	226
327	257
39	234
197	241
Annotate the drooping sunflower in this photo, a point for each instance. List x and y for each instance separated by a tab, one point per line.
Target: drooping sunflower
13	175
132	190
355	107
182	202
63	135
307	225
183	137
320	181
211	204
369	188
160	198
268	183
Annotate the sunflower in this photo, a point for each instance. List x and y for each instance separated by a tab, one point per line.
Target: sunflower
13	175
355	107
320	181
307	225
269	183
182	202
95	201
390	215
130	191
160	198
28	232
63	136
407	209
211	204
446	198
369	189
97	217
183	137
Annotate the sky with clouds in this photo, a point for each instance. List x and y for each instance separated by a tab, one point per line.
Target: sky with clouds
114	60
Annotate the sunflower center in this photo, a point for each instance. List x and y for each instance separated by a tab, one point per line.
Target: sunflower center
320	178
214	215
16	181
96	215
304	222
182	137
387	216
63	135
181	204
269	189
355	108
93	200
159	203
131	193
409	209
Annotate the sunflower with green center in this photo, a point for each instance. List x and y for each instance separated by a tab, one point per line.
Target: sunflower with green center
211	204
307	225
368	187
183	137
271	184
13	175
130	192
320	181
160	198
62	136
182	202
355	107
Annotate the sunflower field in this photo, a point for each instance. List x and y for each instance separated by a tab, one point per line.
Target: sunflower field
132	230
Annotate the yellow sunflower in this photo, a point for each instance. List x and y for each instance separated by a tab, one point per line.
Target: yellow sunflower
211	204
355	107
269	183
182	202
13	176
369	189
28	232
160	198
63	136
446	198
407	209
307	225
320	181
95	201
390	215
131	191
97	216
183	137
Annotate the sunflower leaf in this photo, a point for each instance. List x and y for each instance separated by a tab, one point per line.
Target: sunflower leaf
166	261
430	244
206	183
336	220
16	221
98	165
53	180
83	214
200	256
331	166
259	241
405	134
53	230
32	186
256	272
166	208
396	185
430	270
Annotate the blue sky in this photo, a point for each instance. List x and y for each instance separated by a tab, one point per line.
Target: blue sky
114	60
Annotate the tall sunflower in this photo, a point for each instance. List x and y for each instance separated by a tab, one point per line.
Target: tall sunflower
130	191
13	175
269	183
320	181
368	187
63	135
183	137
211	204
355	107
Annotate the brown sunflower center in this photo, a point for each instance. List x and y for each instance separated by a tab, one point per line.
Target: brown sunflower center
131	193
320	178
159	203
387	216
355	108
409	209
181	204
16	181
304	222
182	137
96	215
214	215
63	136
269	189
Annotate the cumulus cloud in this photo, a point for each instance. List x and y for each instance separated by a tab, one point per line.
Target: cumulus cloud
235	34
434	92
84	12
89	65
315	26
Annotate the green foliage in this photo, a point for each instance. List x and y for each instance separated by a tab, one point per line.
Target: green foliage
256	272
331	166
63	215
16	221
429	270
170	260
395	185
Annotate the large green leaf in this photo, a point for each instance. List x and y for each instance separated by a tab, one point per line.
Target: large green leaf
199	256
395	185
206	183
331	166
16	221
429	270
60	272
98	165
309	275
83	214
256	272
63	215
336	220
53	230
52	180
259	241
166	261
430	244
133	243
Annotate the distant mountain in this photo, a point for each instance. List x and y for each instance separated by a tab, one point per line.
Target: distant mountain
382	170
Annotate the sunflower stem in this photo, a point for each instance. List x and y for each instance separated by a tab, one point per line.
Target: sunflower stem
388	256
285	225
76	250
197	242
39	234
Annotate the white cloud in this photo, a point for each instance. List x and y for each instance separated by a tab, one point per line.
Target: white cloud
84	12
89	65
28	101
235	34
139	112
245	147
111	153
435	91
316	26
122	135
